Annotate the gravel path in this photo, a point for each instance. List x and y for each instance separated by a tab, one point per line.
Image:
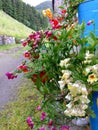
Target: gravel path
9	60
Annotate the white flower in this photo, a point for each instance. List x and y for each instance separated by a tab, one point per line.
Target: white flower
84	99
66	74
65	62
92	78
88	55
68	97
62	84
84	106
87	61
95	68
84	91
88	70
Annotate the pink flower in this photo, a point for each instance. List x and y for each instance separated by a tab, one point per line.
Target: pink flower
31	36
10	75
65	127
42	128
50	123
35	36
48	34
39	108
53	128
30	123
90	22
24	43
43	116
63	11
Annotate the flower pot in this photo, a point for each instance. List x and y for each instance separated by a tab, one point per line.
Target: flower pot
88	10
94	121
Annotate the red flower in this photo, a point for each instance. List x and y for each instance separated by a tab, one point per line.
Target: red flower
43	76
63	11
55	24
27	54
35	55
55	38
31	36
34	77
24	43
23	68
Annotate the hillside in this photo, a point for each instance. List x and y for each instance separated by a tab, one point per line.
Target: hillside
24	13
12	27
44	5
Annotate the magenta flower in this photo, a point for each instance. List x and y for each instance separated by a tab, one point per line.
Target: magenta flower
53	128
30	123
35	36
65	127
50	123
42	128
35	45
90	22
48	34
10	75
38	107
43	116
24	43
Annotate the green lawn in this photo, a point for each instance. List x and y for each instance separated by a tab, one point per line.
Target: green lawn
12	27
14	117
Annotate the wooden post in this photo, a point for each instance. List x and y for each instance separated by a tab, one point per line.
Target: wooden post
56	4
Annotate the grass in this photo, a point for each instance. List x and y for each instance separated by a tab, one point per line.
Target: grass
14	117
11	27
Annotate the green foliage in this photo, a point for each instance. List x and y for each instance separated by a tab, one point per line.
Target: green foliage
24	13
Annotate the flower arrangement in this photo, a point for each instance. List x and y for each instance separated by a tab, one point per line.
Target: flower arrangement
63	66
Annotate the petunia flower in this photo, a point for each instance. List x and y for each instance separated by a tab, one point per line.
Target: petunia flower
50	123
90	22
42	128
65	127
10	75
38	107
43	116
30	123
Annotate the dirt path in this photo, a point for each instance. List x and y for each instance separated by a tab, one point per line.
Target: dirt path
9	60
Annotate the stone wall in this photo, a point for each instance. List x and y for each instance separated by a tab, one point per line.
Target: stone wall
4	39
